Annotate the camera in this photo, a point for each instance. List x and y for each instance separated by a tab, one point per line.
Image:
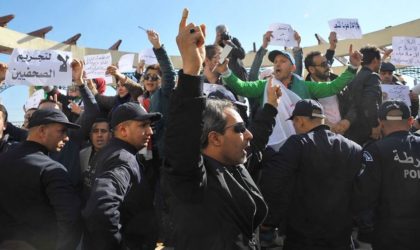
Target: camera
225	36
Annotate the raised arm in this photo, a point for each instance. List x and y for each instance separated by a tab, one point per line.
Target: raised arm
259	56
183	166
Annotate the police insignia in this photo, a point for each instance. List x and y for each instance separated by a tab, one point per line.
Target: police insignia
367	156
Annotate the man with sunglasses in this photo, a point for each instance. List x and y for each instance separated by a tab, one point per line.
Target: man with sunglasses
307	184
214	202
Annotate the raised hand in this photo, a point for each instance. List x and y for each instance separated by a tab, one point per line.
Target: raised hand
355	57
77	67
113	70
190	41
266	39
332	39
154	38
273	93
298	39
3	70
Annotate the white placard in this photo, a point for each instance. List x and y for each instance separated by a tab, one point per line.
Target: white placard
34	100
149	57
95	65
396	92
125	64
283	35
39	67
406	51
346	28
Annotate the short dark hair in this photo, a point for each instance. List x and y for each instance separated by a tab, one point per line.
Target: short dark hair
4	110
211	51
153	67
369	54
214	118
309	59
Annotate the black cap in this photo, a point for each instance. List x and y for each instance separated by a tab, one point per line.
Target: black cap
132	111
47	116
308	108
224	94
272	55
388	106
387	66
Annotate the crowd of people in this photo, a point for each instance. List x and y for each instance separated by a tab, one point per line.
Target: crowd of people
216	157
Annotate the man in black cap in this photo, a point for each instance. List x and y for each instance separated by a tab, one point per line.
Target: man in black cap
388	185
307	183
38	203
119	212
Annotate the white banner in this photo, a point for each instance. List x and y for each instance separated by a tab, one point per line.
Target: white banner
406	51
148	56
95	65
346	28
396	92
283	35
125	64
39	67
34	100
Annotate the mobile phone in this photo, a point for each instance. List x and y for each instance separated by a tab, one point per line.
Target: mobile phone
225	53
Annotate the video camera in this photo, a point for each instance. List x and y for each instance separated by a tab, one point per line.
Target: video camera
225	36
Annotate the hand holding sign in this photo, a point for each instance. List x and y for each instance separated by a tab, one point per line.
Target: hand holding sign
77	67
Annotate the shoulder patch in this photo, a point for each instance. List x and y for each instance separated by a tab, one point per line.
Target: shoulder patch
367	156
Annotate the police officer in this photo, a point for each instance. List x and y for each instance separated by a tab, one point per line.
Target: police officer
38	203
119	213
307	183
388	184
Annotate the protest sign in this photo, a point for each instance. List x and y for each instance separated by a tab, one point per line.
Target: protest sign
39	67
396	92
283	35
406	51
95	65
346	28
125	64
148	56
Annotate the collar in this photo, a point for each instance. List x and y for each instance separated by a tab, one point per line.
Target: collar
123	144
36	145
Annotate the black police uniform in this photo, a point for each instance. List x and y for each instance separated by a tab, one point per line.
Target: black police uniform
38	203
389	185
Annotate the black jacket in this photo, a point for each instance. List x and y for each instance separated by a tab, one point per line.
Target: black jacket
389	185
308	185
38	203
236	55
363	98
213	206
119	212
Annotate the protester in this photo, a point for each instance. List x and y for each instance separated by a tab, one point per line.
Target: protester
39	204
5	143
363	99
293	89
387	189
307	183
215	204
100	134
119	212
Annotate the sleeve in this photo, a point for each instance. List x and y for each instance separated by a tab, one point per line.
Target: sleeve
370	99
102	211
278	178
256	64
135	89
15	133
237	52
366	190
250	89
87	118
325	89
105	103
330	56
168	71
183	167
66	204
298	55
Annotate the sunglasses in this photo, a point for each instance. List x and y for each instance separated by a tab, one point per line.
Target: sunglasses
151	77
237	127
323	64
